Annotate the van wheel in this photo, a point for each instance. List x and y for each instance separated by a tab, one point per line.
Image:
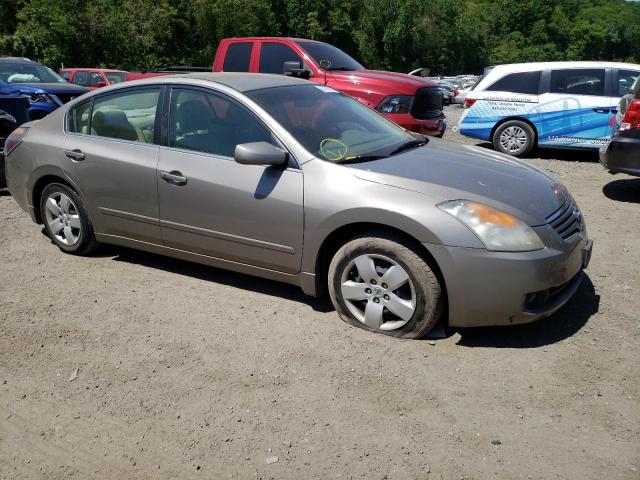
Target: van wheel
380	284
65	219
514	138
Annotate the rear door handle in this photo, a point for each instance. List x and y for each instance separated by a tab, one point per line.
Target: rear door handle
76	155
602	110
174	177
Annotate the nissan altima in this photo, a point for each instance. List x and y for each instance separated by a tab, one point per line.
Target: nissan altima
288	180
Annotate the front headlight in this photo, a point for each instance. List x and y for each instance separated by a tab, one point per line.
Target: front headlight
498	230
395	104
39	98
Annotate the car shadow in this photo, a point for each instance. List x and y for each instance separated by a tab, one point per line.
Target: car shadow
623	190
4	192
217	275
564	154
563	324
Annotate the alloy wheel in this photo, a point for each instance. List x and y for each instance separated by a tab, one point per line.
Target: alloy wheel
513	139
378	292
63	218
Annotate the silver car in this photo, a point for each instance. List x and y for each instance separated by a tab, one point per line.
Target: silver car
289	180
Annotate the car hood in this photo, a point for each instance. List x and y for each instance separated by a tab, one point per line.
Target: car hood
53	88
384	82
445	171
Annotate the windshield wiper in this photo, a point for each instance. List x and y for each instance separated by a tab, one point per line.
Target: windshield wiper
361	158
409	145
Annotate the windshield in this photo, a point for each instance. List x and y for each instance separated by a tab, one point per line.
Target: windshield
331	125
330	57
115	77
28	73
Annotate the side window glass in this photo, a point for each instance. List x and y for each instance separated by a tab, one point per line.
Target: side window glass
126	115
204	122
523	82
238	57
66	75
94	79
578	81
273	56
626	79
81	78
78	118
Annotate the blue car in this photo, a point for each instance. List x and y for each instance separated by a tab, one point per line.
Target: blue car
45	90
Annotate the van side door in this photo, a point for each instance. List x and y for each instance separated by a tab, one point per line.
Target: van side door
575	108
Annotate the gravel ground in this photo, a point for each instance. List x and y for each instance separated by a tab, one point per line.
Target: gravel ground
130	365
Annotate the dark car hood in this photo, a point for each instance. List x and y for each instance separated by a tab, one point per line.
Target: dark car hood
53	88
444	171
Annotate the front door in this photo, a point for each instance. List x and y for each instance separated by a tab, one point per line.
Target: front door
213	206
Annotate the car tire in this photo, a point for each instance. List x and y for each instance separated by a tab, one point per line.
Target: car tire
409	306
66	220
514	137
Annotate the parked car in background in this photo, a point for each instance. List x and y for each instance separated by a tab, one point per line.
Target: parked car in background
553	104
159	72
293	181
13	113
622	155
92	78
462	93
44	89
412	102
449	91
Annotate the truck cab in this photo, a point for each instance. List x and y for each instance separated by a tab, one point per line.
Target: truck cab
412	102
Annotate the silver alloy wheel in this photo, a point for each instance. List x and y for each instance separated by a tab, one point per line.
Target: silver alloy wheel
513	139
63	218
378	292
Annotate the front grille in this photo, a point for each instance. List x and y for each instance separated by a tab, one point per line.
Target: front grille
567	220
427	103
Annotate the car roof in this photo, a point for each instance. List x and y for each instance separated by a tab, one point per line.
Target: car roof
292	39
15	60
530	66
93	69
240	81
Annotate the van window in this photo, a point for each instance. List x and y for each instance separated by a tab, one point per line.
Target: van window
584	81
273	56
238	57
626	79
523	82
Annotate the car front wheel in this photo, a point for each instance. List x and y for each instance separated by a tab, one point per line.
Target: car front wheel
381	284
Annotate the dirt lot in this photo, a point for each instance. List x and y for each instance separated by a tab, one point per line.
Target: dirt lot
129	365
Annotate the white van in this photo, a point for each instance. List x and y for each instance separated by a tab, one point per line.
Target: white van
548	104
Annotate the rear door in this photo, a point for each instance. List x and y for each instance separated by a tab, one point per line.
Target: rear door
576	108
109	153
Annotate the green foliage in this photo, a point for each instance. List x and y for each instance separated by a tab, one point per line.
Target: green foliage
449	36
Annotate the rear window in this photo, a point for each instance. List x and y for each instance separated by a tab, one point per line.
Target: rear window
578	81
524	82
238	57
626	80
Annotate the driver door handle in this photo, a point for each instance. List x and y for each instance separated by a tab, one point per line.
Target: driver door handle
173	177
76	155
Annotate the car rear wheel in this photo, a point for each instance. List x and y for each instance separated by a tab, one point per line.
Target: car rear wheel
65	219
514	138
381	284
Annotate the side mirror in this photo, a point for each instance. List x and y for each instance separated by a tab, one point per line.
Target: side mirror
259	153
295	69
101	84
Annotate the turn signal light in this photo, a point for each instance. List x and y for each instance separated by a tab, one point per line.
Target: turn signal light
468	102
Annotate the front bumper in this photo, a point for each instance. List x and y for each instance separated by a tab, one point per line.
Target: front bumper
487	288
434	127
622	155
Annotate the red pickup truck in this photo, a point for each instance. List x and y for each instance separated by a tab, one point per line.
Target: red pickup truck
412	102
